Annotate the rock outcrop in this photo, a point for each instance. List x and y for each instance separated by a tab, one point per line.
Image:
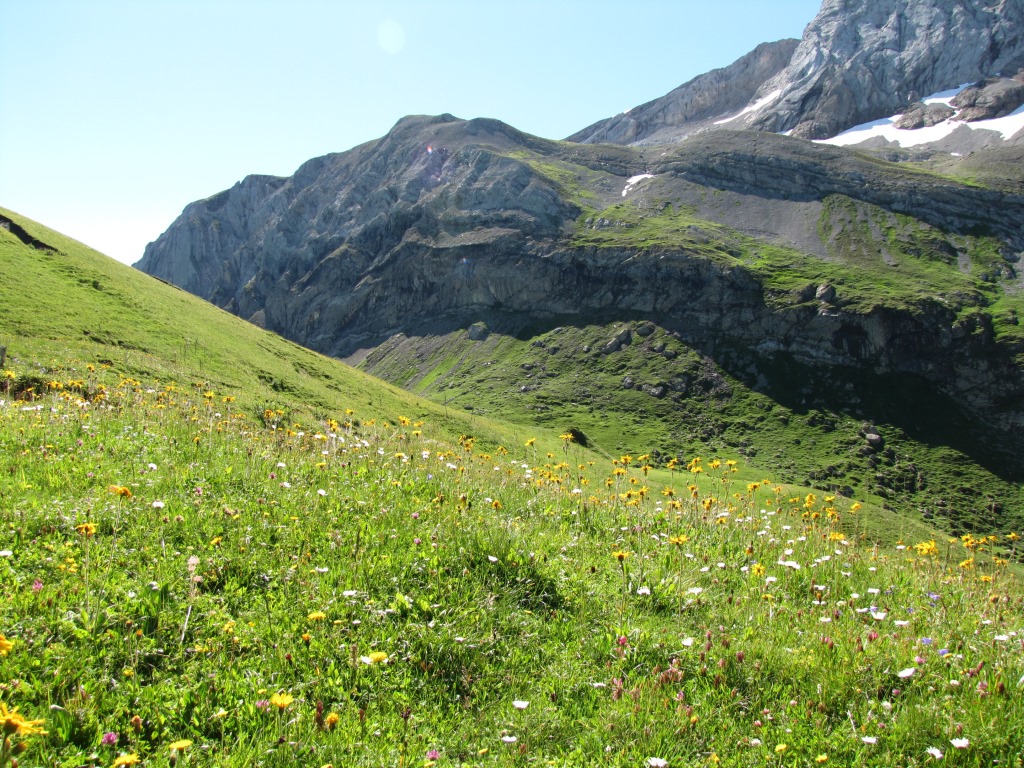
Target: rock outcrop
858	60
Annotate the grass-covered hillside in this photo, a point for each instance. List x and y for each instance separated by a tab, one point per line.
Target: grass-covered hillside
219	549
637	387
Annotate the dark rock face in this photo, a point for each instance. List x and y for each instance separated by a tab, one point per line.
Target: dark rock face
858	60
921	115
996	97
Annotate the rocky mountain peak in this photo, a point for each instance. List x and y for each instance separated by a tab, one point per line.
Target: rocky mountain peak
858	60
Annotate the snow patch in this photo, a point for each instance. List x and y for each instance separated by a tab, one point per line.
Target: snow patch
752	107
632	181
1007	126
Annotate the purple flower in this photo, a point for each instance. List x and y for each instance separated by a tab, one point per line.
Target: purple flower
416	541
433	755
109	739
943	651
926	641
37	586
263	705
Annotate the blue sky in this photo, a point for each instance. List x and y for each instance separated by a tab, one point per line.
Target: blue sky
117	114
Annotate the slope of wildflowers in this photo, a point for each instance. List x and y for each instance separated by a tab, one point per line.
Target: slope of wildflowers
205	566
186	584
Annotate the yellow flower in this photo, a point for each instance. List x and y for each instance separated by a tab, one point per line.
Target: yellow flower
679	540
531	441
131	759
821	759
757	569
11	722
317	616
86	529
620	555
780	748
5	646
179	745
927	548
120	490
331	720
377	657
282	700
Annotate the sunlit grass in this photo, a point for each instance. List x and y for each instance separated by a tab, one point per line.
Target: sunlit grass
186	583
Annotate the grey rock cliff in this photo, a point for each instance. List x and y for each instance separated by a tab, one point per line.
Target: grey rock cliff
858	60
695	104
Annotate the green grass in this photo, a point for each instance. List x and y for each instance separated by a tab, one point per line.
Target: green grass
220	549
797	424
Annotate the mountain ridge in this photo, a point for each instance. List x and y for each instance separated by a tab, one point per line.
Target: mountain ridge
856	62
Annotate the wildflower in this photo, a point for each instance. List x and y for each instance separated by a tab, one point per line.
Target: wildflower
377	657
927	548
905	673
519	704
821	759
657	762
86	529
5	646
620	555
317	616
281	700
934	752
121	760
433	754
960	743
179	745
120	490
780	748
331	720
869	739
11	722
109	739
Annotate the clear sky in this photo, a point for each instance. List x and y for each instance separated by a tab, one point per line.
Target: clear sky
115	114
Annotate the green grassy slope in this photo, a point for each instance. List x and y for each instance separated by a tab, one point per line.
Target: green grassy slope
657	395
186	580
76	307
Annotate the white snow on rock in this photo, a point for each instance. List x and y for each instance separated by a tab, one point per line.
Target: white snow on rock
752	107
1007	126
632	181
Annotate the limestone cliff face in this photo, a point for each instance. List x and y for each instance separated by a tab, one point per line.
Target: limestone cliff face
858	60
444	223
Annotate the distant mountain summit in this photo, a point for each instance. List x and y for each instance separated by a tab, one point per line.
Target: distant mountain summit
858	60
